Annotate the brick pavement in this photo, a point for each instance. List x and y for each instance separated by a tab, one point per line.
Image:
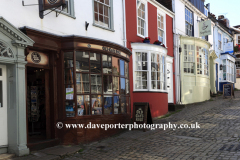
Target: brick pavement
218	137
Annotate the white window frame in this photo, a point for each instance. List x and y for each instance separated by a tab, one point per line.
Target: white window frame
191	24
111	22
189	59
229	70
146	18
220	42
144	49
70	7
164	27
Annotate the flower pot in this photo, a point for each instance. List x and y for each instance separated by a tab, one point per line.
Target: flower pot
146	41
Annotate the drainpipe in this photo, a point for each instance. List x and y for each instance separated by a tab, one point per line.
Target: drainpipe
124	24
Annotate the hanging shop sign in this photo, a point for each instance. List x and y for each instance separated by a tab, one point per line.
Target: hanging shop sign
205	28
142	113
38	58
229	47
50	4
228	91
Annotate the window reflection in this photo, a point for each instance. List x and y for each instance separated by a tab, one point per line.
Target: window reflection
107	64
107	84
83	103
108	105
96	84
122	65
96	104
82	81
117	109
115	85
123	86
82	61
70	105
95	61
115	65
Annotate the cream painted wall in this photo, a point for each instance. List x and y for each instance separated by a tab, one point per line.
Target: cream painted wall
64	25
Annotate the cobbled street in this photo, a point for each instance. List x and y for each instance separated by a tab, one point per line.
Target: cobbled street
217	138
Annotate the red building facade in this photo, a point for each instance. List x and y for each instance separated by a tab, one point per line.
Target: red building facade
151	66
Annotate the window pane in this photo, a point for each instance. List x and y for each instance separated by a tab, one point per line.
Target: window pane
107	103
107	84
126	69
96	104
107	64
107	2
95	6
82	81
95	63
105	11
117	109
100	8
115	85
123	86
96	17
123	104
69	108
68	75
83	103
115	66
69	92
82	61
122	65
127	86
96	84
68	59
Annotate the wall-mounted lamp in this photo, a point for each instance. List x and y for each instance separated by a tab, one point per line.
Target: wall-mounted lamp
180	49
86	25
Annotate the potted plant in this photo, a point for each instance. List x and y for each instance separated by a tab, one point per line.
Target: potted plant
236	48
163	45
157	42
146	40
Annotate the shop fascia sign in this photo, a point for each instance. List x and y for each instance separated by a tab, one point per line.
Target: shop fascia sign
205	28
49	4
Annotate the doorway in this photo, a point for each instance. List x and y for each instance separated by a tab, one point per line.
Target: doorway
3	107
38	104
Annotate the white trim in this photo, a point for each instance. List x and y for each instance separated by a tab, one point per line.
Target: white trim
148	48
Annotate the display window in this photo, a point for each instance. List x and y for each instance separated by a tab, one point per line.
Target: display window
228	70
95	84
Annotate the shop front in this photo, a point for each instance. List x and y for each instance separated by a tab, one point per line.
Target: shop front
195	72
227	70
12	89
75	80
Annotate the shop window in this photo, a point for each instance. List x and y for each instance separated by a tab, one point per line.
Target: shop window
141	18
189	22
161	28
219	41
154	75
202	61
103	12
228	70
101	83
188	59
69	10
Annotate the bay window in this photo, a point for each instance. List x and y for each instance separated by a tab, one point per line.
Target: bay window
228	70
149	71
95	84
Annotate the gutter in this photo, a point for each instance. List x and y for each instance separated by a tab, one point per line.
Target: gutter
124	24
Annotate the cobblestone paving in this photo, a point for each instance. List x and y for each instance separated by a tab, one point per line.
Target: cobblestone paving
218	137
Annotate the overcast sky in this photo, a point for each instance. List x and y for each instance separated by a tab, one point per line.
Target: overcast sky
229	8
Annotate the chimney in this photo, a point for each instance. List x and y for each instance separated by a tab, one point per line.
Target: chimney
220	17
208	7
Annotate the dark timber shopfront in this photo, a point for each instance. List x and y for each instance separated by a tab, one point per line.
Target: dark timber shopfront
74	80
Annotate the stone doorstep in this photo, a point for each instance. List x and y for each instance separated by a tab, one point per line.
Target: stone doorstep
6	156
57	151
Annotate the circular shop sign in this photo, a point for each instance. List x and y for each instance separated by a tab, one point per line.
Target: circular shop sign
36	57
52	1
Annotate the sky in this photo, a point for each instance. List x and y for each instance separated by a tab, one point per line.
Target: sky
229	8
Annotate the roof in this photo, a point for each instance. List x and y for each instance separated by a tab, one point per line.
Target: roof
229	54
